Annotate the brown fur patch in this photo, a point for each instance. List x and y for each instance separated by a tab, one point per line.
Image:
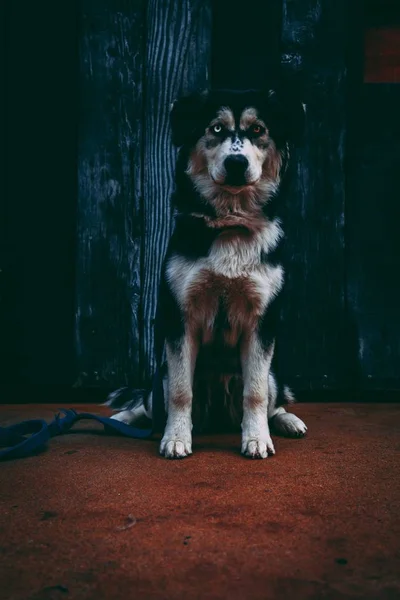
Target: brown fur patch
254	401
245	203
263	142
248	117
239	224
272	164
238	298
198	162
180	400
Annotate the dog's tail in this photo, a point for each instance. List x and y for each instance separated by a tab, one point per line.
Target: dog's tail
133	404
288	395
279	394
125	398
283	395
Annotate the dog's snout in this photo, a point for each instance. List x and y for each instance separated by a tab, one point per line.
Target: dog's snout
236	163
236	166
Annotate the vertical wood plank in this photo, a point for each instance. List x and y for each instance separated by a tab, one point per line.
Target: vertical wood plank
372	214
178	56
372	236
314	42
109	168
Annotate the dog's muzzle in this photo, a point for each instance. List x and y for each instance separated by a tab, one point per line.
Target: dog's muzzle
236	166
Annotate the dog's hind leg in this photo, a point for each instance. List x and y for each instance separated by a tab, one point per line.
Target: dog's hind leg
288	424
282	422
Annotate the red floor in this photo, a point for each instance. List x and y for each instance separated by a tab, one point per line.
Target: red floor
99	517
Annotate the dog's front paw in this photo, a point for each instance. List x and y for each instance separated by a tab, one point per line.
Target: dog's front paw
257	448
172	447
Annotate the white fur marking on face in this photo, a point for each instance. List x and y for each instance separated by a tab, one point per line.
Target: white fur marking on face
207	171
255	157
236	146
248	117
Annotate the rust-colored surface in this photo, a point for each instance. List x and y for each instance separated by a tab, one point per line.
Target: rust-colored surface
101	517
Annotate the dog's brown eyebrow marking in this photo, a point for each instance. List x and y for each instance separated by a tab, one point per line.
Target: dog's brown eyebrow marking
248	117
225	116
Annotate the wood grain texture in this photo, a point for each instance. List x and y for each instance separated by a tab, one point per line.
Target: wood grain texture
177	61
109	169
314	40
372	236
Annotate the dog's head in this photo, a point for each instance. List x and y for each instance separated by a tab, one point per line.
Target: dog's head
237	142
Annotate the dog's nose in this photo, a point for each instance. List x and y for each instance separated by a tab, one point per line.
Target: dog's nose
236	167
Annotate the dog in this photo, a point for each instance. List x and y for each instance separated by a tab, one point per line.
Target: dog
221	283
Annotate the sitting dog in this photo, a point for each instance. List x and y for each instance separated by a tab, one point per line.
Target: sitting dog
221	280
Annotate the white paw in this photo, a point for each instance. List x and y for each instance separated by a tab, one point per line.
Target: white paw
290	425
171	447
257	448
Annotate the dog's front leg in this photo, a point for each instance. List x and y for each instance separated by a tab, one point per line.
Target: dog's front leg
181	358
256	362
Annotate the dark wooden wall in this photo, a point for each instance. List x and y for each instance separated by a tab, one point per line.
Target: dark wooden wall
373	240
38	250
88	214
314	39
178	55
136	58
372	206
109	223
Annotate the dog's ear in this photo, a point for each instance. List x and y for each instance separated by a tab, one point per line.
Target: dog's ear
288	114
185	116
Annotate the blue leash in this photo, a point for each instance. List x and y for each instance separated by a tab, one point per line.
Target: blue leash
17	445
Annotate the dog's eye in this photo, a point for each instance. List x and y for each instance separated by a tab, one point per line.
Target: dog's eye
256	129
217	128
